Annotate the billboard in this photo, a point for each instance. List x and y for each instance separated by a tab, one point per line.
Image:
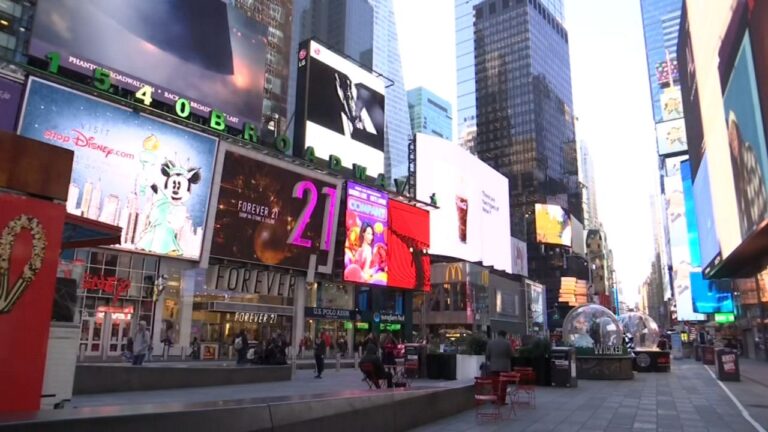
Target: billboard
365	247
149	177
273	212
408	261
679	245
746	139
553	225
519	257
671	138
690	93
10	99
208	52
471	221
339	109
671	103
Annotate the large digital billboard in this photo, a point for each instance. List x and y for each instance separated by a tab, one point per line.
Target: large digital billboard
10	100
339	109
365	248
149	177
471	221
671	103
679	245
273	212
746	139
671	138
408	261
206	51
553	225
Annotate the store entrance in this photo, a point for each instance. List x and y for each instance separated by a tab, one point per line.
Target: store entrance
108	329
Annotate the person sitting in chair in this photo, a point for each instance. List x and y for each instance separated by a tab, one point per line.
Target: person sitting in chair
372	358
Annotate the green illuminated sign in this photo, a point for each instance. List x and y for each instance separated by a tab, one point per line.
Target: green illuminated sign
725	318
347	325
362	326
391	326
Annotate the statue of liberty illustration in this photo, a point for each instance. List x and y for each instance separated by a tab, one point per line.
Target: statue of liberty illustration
168	214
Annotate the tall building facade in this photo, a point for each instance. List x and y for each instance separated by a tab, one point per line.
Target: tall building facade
587	183
386	60
525	128
465	66
345	26
525	124
430	114
15	30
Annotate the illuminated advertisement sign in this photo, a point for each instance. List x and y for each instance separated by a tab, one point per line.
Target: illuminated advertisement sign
10	99
553	225
671	101
365	249
339	109
149	177
678	240
273	212
746	139
671	138
472	218
519	257
208	52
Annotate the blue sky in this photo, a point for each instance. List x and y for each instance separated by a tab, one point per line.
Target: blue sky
611	101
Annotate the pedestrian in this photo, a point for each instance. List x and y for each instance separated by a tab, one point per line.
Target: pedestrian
195	348
319	355
141	343
377	367
499	354
241	346
388	347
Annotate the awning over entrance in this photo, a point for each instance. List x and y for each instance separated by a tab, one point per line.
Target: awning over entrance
83	232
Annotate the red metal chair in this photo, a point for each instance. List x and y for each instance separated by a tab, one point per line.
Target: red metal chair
527	386
411	371
508	383
486	400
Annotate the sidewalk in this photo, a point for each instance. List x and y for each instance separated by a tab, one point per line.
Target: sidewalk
754	370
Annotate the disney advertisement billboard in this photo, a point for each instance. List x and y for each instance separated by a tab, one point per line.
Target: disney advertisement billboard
149	177
365	249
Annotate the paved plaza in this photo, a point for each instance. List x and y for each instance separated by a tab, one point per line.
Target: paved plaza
687	399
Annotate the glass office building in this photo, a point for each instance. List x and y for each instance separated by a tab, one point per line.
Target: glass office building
430	114
661	22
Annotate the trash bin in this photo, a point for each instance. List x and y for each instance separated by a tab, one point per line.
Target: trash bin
697	352
417	352
708	354
727	361
562	367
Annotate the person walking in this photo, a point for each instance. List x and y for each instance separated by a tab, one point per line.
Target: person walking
319	355
499	354
140	344
241	346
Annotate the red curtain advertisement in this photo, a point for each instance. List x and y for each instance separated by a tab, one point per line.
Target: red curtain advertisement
408	237
30	241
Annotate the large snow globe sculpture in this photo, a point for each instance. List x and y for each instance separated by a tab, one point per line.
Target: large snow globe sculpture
593	330
643	329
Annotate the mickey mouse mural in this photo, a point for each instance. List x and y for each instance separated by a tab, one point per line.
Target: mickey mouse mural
169	212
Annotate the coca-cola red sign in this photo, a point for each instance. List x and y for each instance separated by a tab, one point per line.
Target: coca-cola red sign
109	284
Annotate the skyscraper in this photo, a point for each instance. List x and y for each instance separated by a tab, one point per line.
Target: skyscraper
524	105
386	60
345	26
465	66
430	114
587	180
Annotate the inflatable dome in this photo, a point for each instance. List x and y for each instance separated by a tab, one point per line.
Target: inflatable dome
642	328
591	325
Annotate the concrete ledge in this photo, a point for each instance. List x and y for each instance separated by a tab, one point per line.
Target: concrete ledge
374	411
106	378
604	368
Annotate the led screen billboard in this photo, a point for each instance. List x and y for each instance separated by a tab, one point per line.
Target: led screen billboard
365	248
471	221
208	52
746	138
273	212
339	109
408	261
671	138
10	100
680	255
553	225
149	177
671	103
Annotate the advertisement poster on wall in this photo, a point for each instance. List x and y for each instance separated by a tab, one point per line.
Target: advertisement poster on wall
208	52
29	253
340	109
519	257
553	225
365	248
273	212
472	218
671	101
671	138
10	100
149	177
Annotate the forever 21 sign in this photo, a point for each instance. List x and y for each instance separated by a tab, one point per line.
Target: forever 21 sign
245	280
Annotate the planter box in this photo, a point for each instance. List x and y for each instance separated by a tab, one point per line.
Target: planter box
468	366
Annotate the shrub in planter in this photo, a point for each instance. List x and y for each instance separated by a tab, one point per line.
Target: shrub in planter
536	355
474	344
